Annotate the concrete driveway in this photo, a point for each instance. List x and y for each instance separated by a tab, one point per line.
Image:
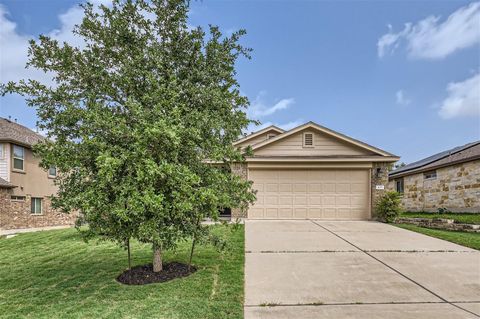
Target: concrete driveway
356	269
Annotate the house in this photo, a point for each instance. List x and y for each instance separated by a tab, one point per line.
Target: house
311	171
25	187
449	179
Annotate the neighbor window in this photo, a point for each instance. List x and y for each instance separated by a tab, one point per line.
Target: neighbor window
399	185
17	198
2	152
430	175
36	206
18	157
307	139
52	171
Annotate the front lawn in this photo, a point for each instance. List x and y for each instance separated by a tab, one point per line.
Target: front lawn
471	240
462	218
54	274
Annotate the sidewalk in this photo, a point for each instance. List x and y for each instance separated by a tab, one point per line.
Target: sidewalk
6	232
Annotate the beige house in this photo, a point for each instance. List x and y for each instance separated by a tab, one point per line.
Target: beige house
25	187
312	172
450	180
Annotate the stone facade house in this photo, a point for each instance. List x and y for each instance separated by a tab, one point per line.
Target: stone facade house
25	187
313	172
450	180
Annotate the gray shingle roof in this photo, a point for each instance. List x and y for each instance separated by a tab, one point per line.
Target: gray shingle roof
5	184
14	132
454	155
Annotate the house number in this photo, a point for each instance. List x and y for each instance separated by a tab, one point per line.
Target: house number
379	187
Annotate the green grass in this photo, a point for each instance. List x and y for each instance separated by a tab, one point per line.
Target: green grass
54	274
463	218
471	240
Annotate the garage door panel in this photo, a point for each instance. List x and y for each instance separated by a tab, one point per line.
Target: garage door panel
328	200
285	200
299	188
314	200
254	212
329	188
300	200
299	212
271	199
285	188
315	212
271	187
271	213
322	194
285	212
314	188
343	188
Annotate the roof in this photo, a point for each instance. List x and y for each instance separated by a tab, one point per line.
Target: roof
16	133
5	184
254	134
326	131
452	156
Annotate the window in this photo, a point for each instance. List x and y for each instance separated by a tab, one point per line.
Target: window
430	175
307	139
52	171
399	185
2	151
18	157
36	206
17	198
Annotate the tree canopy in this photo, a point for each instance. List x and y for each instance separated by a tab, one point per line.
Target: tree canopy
141	121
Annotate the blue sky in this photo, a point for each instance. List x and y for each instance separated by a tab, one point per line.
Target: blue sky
403	76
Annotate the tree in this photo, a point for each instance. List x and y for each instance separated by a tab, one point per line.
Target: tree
135	119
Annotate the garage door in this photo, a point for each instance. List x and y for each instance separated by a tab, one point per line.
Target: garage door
323	194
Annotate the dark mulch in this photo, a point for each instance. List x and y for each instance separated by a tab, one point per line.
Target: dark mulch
142	275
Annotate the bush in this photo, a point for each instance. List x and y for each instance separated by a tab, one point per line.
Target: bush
389	206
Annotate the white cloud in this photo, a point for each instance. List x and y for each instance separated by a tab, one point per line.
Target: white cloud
14	45
401	99
259	109
463	99
432	39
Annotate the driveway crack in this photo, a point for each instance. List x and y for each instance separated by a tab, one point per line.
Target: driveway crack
395	270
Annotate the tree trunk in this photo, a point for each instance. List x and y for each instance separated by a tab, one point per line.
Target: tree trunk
128	252
191	253
157	258
193	245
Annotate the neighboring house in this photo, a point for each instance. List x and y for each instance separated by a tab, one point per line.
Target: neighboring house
25	187
450	179
312	172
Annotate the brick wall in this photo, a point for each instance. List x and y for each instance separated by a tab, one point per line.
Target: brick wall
16	214
456	188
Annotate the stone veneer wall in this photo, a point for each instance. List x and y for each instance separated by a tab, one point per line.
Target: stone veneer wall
241	170
456	188
379	176
16	214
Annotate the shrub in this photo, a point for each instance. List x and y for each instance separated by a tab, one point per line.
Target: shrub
389	206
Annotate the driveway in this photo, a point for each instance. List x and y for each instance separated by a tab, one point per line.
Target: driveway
356	269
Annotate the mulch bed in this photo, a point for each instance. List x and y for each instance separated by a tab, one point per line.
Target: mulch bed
142	275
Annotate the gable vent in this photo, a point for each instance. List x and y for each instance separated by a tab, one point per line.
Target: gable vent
308	139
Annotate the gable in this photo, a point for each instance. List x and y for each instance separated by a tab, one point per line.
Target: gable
258	138
323	145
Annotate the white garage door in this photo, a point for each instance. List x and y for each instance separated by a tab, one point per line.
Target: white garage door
323	194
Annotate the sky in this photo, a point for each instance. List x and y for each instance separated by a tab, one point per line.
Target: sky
403	76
